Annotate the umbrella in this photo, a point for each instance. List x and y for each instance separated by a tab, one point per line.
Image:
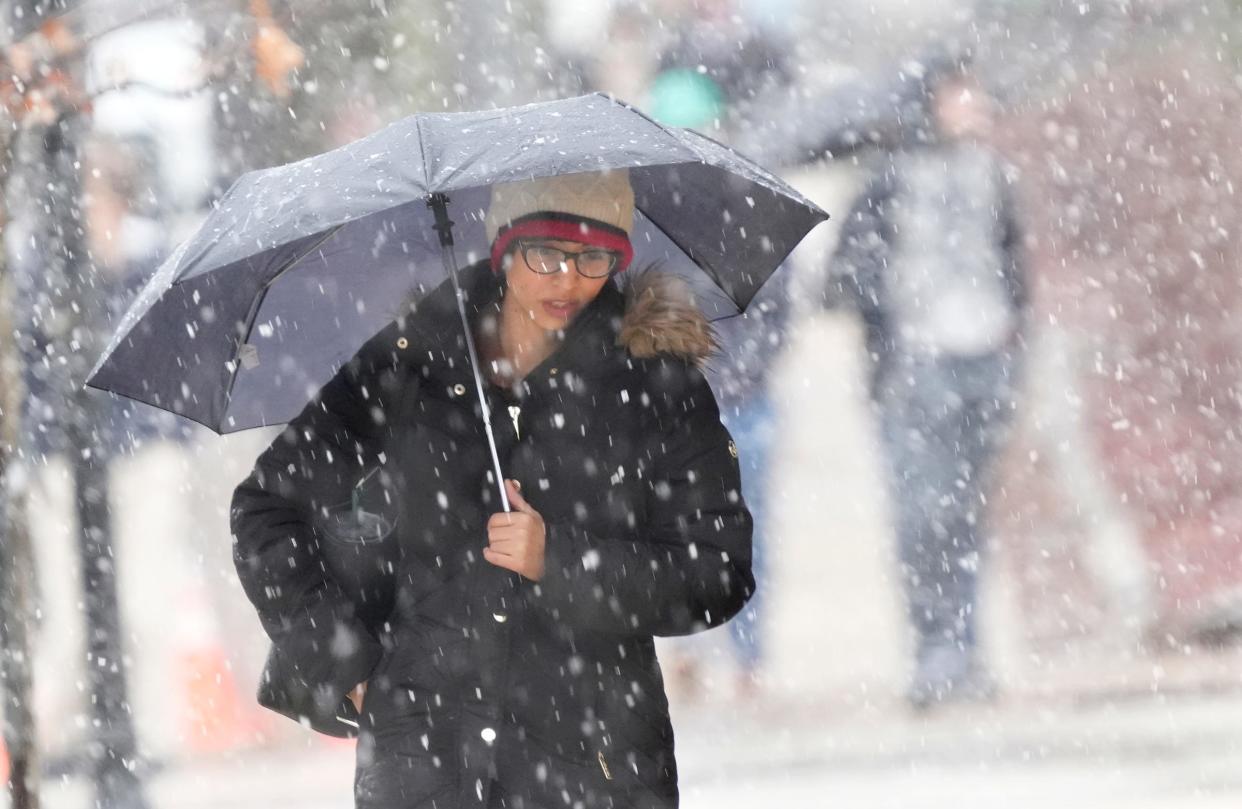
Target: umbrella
299	265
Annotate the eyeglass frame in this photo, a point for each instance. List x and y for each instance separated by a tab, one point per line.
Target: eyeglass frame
566	255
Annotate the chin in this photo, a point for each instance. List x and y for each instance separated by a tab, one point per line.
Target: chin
548	323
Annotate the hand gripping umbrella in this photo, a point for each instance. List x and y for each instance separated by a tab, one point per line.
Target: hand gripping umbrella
299	265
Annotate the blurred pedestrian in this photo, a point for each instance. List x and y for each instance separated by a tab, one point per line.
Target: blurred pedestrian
707	77
124	240
930	257
625	58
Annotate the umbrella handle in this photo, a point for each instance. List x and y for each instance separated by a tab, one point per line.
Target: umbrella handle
444	227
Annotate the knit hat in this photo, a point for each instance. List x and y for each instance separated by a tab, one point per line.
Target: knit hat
595	208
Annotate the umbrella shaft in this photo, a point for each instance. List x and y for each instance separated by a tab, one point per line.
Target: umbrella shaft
444	226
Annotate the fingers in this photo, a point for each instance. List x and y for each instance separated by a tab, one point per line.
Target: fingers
510	524
501	519
525	532
521	563
508	551
516	546
514	490
500	559
506	542
515	538
356	696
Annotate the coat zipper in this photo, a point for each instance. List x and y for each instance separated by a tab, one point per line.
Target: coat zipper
515	412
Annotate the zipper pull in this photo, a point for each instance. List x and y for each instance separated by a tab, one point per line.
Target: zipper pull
355	499
603	765
514	412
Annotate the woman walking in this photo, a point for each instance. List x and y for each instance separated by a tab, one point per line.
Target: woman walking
514	666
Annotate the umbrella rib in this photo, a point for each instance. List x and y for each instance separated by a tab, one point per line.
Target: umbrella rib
679	134
711	272
422	154
253	314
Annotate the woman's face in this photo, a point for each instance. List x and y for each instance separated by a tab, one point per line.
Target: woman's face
552	301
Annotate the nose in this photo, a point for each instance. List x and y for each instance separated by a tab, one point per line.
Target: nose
566	275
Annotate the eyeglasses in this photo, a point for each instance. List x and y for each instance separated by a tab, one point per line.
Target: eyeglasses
592	263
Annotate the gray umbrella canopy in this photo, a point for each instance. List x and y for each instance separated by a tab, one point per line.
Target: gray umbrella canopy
299	265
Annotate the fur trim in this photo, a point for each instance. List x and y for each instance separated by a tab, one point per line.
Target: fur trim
662	318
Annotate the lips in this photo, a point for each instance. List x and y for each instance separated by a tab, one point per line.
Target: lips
561	309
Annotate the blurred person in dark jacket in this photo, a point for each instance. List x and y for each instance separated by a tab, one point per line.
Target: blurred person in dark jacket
714	67
930	257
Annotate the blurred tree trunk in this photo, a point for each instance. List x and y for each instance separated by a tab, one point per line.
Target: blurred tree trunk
61	325
56	320
17	577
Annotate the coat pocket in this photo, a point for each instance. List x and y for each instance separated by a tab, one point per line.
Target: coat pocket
635	737
646	775
604	777
285	690
396	779
358	543
551	774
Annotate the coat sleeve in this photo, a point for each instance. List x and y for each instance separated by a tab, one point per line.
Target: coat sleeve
861	257
691	569
313	463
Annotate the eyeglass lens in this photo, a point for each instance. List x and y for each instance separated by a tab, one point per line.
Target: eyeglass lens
591	263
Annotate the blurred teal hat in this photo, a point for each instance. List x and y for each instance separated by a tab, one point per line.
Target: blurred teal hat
684	97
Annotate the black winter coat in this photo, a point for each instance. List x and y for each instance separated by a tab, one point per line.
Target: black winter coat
483	683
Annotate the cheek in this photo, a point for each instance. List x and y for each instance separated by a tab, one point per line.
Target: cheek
521	284
525	290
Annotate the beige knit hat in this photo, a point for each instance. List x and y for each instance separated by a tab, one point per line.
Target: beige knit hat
597	207
605	196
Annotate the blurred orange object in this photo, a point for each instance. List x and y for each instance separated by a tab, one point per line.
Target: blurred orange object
276	55
4	763
213	716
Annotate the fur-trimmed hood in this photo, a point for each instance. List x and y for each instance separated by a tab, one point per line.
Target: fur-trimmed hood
661	318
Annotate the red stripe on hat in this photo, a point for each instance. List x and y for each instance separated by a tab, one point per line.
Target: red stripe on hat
564	229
